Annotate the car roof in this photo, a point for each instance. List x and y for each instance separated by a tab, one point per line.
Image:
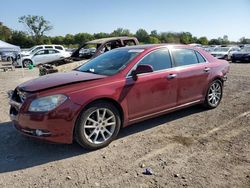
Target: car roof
152	46
47	45
45	49
103	40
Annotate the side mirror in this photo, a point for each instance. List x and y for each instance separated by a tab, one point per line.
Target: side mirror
140	69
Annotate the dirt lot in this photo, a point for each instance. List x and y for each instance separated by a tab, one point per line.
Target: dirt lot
188	148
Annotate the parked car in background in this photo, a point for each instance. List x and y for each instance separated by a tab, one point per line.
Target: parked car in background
43	56
9	55
40	47
97	47
114	90
224	52
241	56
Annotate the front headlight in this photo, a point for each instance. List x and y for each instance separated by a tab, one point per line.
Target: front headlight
45	104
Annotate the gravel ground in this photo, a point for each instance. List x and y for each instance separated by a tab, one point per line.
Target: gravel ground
188	148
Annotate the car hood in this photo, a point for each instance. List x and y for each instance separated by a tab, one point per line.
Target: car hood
57	79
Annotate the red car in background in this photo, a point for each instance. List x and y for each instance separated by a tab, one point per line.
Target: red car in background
114	90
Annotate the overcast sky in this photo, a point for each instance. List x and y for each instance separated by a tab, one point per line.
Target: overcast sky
211	18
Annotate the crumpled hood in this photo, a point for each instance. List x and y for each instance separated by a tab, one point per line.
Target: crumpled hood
57	79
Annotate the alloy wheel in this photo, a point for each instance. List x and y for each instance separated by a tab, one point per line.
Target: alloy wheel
214	94
99	126
26	63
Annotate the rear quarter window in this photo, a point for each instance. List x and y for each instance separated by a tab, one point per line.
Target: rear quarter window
201	59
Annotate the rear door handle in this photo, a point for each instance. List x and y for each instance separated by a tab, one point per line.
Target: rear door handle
171	76
207	69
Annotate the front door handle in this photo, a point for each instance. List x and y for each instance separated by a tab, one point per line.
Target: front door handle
171	76
207	69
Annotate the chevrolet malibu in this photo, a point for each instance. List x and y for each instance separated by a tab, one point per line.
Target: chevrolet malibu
121	87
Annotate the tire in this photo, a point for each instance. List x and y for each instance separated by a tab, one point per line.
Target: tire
92	132
27	62
214	94
10	59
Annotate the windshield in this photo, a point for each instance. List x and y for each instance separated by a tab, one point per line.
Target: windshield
221	49
30	49
111	62
246	49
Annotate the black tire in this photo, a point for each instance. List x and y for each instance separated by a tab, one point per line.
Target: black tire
27	62
207	103
80	135
10	59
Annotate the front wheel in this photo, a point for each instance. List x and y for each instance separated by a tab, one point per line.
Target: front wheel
98	125
27	63
214	94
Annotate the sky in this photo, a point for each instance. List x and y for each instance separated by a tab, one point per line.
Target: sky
210	18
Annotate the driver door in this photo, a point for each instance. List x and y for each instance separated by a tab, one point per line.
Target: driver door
155	91
40	57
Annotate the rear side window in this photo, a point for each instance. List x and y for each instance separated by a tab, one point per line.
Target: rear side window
48	46
129	43
58	47
159	60
200	57
184	57
52	51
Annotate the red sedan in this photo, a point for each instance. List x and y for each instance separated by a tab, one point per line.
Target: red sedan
114	90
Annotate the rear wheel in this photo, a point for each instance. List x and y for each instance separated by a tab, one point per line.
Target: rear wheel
98	125
214	94
27	63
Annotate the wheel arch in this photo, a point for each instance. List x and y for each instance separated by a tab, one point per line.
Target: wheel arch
218	78
109	100
27	59
103	99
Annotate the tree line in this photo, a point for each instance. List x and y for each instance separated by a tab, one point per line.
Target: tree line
37	27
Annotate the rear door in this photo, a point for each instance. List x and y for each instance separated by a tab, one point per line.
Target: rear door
54	55
155	91
192	75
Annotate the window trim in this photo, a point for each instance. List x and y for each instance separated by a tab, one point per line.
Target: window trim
128	75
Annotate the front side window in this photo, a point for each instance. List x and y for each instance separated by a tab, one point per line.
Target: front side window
42	52
159	60
184	57
111	62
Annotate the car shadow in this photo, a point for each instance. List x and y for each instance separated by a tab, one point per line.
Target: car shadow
20	152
